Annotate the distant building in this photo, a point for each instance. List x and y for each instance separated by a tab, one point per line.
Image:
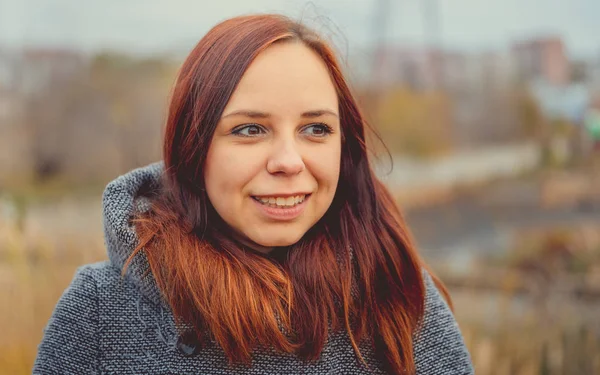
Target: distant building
9	61
38	68
23	74
542	59
11	104
415	67
424	69
480	85
594	76
476	72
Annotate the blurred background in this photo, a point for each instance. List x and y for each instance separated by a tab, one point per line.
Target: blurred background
490	111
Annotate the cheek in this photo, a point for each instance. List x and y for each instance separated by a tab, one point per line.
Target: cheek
325	167
227	172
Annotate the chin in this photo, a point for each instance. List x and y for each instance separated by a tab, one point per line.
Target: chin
279	241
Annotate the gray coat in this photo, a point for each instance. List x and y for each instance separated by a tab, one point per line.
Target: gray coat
106	324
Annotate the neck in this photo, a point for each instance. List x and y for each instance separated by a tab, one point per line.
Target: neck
245	241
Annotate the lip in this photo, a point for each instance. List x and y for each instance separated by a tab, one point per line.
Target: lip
282	195
282	214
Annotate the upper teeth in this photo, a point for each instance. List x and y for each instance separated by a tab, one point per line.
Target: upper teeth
281	201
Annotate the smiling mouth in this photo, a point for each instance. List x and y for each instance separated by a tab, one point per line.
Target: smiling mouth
282	202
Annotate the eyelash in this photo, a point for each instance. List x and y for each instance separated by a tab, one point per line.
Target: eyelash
326	128
237	131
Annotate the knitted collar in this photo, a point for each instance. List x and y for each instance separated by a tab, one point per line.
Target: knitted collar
122	198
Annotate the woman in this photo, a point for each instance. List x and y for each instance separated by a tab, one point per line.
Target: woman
263	243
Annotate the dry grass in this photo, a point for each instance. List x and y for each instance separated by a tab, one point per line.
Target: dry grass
33	276
512	335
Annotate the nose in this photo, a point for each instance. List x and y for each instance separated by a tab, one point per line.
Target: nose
285	159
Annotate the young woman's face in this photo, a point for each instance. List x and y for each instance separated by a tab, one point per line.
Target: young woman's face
274	160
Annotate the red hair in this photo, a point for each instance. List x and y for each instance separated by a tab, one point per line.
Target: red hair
356	270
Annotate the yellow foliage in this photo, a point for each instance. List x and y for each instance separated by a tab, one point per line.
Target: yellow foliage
415	123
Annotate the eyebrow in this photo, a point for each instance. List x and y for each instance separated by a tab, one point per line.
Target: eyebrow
258	114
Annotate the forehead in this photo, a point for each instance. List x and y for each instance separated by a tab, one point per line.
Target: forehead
285	76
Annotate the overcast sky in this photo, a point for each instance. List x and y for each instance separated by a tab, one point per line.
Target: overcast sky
149	26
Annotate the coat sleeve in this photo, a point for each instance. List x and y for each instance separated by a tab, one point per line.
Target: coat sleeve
439	346
70	340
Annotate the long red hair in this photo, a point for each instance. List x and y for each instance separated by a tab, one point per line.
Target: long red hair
356	270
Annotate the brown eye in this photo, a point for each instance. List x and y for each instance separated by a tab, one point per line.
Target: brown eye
253	130
317	130
248	130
